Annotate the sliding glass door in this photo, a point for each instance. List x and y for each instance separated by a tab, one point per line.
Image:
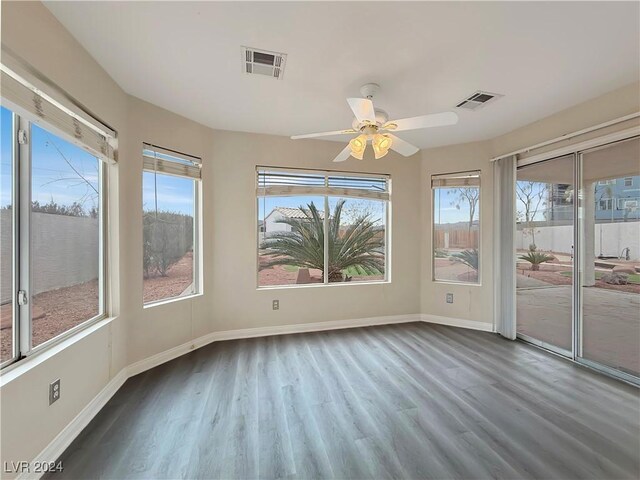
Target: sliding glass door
610	257
591	233
544	251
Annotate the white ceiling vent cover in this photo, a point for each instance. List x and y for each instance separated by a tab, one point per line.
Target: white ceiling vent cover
478	99
263	62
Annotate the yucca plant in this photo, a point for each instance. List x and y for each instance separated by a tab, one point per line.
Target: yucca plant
440	253
535	259
468	257
359	245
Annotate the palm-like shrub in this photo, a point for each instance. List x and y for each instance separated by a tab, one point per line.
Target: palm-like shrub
468	257
440	253
535	259
360	245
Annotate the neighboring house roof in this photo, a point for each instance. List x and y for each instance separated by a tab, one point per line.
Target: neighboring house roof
293	212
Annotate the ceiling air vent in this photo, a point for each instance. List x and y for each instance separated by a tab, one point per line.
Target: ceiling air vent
478	99
263	62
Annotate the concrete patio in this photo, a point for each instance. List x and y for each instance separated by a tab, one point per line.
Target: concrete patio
611	323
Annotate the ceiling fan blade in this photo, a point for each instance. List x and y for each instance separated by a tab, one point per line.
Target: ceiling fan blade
423	121
350	131
362	109
402	147
343	155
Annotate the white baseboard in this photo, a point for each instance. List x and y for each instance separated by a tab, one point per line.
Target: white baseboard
167	355
71	431
457	322
59	444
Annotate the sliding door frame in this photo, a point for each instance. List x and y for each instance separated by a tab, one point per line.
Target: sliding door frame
527	338
577	152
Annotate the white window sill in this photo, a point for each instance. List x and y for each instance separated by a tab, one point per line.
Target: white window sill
170	300
321	285
22	366
453	282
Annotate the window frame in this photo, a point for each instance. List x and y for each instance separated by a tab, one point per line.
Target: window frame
21	157
466	173
629	180
608	204
198	282
325	193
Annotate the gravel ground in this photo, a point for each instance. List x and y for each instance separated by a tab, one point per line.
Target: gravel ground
179	277
57	311
556	278
278	275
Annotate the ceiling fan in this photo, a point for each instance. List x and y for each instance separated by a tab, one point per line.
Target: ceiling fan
372	124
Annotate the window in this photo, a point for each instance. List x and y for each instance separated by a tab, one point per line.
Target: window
54	158
456	227
170	203
292	246
628	181
7	287
606	204
61	236
65	235
607	182
61	239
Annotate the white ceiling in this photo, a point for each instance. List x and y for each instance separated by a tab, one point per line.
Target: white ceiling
185	57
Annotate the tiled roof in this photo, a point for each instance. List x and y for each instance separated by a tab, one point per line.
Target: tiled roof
294	212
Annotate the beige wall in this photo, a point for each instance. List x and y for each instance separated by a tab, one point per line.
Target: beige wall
231	300
475	303
470	302
615	104
28	422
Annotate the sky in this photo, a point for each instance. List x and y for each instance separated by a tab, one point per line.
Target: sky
353	207
175	194
61	172
65	173
76	179
5	157
448	209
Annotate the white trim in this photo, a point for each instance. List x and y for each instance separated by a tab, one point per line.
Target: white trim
167	355
193	159
457	322
68	434
569	135
581	146
16	369
296	190
179	298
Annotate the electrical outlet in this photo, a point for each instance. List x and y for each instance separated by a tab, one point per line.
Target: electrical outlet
449	297
276	305
54	391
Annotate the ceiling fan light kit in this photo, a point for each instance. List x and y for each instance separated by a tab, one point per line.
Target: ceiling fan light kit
374	125
358	146
381	145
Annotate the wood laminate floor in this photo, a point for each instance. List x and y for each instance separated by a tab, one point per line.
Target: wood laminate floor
400	401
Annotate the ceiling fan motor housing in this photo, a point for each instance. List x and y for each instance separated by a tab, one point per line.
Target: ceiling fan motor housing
368	90
372	125
382	117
